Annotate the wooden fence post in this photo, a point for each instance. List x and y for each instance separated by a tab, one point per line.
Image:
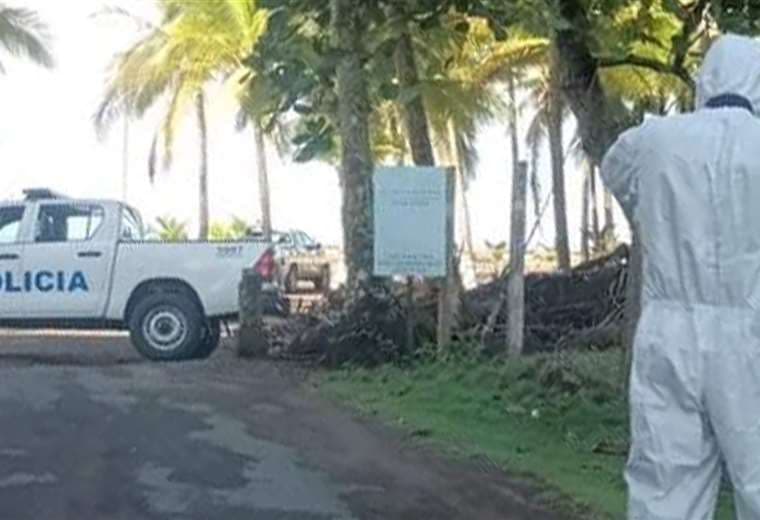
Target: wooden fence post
251	339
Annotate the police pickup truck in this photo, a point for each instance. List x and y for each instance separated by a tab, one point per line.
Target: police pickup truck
86	264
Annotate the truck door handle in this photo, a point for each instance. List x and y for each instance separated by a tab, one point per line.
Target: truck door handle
11	256
89	254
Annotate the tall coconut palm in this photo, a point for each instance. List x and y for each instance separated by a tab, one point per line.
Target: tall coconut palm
194	43
464	91
253	104
551	111
23	34
459	101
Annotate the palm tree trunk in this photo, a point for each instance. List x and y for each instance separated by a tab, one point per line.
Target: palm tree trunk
263	177
597	234
514	136
585	218
357	163
462	188
535	183
558	174
203	217
415	116
418	134
397	136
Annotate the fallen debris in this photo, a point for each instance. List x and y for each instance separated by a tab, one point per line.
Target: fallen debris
578	309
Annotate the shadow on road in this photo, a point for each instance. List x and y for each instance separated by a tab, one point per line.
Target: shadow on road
55	348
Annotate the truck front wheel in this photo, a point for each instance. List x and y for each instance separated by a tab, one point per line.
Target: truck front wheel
167	326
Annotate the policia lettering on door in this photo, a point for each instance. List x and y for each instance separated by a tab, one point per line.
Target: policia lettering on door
44	282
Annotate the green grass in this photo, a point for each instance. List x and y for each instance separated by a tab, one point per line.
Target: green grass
545	417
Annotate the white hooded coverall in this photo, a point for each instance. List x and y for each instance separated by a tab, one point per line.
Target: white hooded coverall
691	185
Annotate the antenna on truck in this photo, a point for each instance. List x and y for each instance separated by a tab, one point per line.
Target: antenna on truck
42	194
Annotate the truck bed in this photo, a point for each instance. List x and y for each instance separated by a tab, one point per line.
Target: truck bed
198	263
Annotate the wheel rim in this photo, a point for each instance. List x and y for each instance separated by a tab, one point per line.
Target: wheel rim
165	328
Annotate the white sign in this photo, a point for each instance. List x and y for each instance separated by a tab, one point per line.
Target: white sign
412	221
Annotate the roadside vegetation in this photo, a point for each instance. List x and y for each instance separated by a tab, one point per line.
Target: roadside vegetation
560	420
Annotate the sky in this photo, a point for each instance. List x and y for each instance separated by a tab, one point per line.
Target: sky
47	139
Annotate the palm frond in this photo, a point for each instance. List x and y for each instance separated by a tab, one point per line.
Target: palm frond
23	34
514	54
468	155
143	24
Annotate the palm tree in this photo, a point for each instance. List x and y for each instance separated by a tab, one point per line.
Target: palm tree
482	65
459	101
460	91
357	162
23	34
195	43
171	230
254	104
551	111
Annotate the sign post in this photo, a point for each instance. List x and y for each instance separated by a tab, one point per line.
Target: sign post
414	232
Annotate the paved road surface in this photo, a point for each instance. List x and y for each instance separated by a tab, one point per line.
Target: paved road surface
88	431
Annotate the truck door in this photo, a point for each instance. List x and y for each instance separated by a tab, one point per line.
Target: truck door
69	260
12	301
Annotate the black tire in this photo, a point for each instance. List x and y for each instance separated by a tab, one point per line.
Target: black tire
167	325
212	337
291	281
323	284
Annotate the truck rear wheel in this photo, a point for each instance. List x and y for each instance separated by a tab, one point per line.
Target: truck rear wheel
322	284
167	326
212	337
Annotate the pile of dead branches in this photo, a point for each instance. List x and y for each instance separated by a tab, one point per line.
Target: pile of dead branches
369	330
563	311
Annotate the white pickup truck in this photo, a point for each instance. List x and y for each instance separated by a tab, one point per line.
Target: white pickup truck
86	264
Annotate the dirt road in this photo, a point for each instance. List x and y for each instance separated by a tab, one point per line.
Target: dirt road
90	431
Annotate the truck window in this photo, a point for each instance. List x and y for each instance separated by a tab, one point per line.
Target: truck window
306	241
10	223
131	229
68	222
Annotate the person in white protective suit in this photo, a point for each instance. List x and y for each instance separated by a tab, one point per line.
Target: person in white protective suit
691	185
